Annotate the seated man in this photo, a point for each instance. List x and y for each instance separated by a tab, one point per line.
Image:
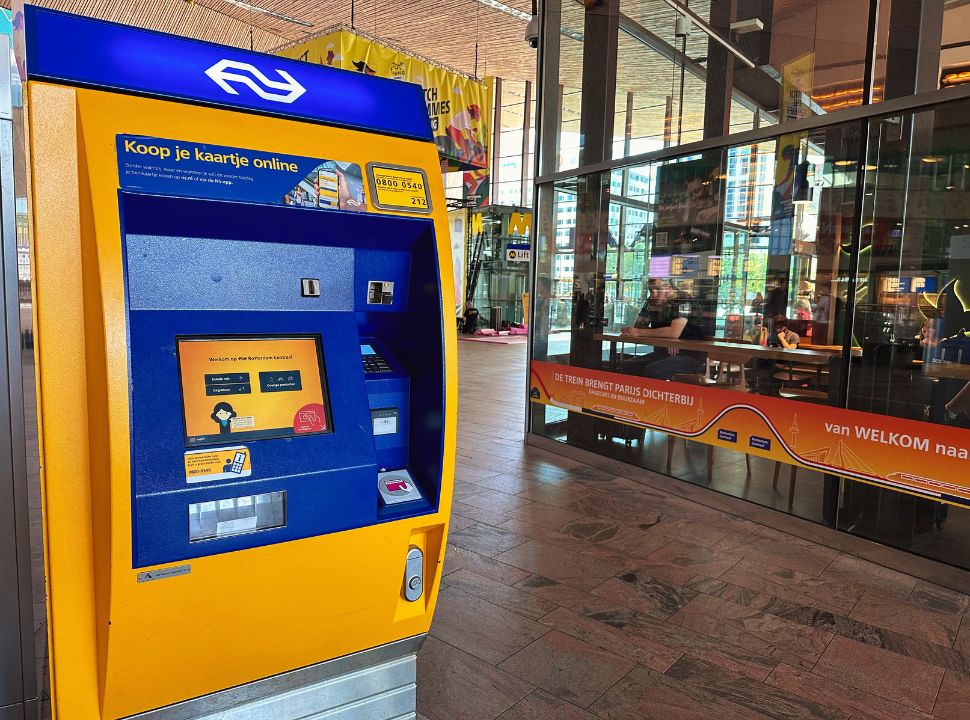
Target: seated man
782	335
665	314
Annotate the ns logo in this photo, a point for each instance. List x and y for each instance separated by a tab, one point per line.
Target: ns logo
226	73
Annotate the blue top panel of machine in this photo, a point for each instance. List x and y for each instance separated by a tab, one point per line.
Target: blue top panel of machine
81	51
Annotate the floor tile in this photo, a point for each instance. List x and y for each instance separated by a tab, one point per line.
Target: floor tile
645	593
560	565
545	534
488	517
962	642
761	632
837	624
497	593
941	599
496	501
755	696
622	561
592	529
457	558
911	682
856	571
453	685
645	694
559	495
544	515
508	483
589	584
731	657
789	584
540	705
605	505
564	595
486	540
791	553
679	562
857	703
928	625
470	473
636	542
481	628
697	531
953	700
459	522
568	668
606	629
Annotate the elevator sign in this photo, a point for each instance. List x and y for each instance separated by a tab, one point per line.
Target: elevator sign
518	252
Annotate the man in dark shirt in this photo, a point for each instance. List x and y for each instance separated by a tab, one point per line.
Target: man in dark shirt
665	314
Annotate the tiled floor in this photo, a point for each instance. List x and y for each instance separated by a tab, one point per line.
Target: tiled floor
573	594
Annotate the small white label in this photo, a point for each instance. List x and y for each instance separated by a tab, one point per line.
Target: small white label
385	425
231	527
242	422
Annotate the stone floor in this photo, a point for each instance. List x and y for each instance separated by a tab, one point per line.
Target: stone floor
573	594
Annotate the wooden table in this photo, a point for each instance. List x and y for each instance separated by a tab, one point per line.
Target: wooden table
948	370
730	353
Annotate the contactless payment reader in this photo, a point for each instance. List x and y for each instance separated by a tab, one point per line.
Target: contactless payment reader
246	378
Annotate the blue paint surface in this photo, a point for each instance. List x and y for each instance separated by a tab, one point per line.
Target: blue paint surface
179	285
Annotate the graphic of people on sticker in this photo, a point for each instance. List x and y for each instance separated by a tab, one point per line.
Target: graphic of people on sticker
222	414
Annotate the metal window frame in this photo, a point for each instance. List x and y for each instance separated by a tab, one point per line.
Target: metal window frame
921	101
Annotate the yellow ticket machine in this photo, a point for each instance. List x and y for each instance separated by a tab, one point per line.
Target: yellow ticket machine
246	379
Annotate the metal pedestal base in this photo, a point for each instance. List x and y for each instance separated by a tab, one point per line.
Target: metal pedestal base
375	684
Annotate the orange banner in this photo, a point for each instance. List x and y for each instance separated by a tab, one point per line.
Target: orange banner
905	455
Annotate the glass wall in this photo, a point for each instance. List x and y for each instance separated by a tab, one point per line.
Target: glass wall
673	72
817	276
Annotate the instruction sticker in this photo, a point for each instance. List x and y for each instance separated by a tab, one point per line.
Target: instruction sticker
399	188
228	463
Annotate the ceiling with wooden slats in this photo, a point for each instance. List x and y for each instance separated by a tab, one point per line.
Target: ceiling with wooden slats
446	32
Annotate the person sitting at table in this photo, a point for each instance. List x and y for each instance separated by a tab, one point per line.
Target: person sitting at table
780	335
665	314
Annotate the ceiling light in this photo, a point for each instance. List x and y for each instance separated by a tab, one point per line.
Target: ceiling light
870	168
271	13
932	158
521	15
507	9
746	26
844	163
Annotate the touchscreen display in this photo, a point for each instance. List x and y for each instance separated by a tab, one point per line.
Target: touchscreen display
252	388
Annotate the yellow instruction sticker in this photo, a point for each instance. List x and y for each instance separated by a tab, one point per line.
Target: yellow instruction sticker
399	188
228	463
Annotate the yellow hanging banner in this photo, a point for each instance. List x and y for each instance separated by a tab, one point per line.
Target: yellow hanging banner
459	106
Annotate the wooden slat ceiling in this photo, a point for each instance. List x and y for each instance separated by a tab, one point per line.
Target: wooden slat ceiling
448	32
442	31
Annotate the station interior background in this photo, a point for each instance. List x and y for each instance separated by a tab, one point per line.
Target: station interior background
660	103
